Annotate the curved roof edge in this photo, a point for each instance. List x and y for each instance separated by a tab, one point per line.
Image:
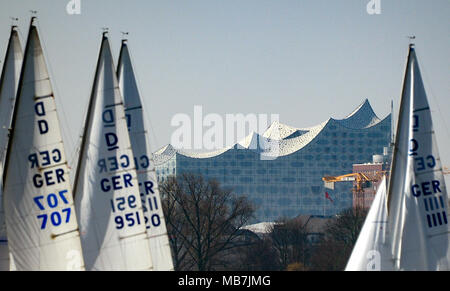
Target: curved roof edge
163	154
280	139
362	117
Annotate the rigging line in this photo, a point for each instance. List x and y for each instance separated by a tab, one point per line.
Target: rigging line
66	133
77	151
147	119
430	92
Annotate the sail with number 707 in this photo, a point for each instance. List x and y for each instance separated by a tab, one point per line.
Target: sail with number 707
41	223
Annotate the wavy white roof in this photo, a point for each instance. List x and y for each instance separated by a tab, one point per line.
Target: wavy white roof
361	117
280	139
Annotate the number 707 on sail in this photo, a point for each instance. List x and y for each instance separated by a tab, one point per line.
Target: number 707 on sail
50	202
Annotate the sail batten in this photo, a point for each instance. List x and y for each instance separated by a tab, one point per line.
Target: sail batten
111	219
155	222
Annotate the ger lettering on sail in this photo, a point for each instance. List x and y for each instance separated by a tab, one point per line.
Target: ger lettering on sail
417	195
417	234
109	208
151	201
40	217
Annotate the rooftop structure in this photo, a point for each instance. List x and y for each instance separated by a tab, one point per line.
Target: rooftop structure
289	182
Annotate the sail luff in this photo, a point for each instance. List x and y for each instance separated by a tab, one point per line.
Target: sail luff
88	120
111	219
40	217
156	226
9	81
11	121
395	202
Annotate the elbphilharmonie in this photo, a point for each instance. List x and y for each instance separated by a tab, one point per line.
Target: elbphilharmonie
290	184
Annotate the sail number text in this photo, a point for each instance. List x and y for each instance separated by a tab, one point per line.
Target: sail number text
50	202
123	216
150	206
426	185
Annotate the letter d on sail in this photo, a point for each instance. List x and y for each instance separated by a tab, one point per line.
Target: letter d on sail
73	7
43	126
39	109
111	141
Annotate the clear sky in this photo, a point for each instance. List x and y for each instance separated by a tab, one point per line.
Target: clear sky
305	60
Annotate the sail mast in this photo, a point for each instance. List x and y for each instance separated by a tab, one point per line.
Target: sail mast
8	88
109	207
87	121
395	202
401	116
40	216
156	226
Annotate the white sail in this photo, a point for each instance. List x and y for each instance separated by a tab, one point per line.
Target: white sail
417	195
40	217
109	209
8	88
371	251
155	223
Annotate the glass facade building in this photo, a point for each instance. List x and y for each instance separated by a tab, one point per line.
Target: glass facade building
289	184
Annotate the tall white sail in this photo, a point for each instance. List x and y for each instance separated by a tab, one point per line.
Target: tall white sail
109	208
371	251
154	216
8	88
417	195
40	217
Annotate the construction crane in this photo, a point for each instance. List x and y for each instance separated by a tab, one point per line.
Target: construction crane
361	181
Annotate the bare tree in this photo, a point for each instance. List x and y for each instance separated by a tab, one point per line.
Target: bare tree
203	220
290	240
341	234
175	221
258	256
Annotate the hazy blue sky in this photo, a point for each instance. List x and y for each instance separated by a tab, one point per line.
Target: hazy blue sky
305	60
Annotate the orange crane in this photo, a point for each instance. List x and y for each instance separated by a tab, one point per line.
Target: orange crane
360	181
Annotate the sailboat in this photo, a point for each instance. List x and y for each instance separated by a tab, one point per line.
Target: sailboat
418	233
154	216
417	194
8	89
40	217
107	198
